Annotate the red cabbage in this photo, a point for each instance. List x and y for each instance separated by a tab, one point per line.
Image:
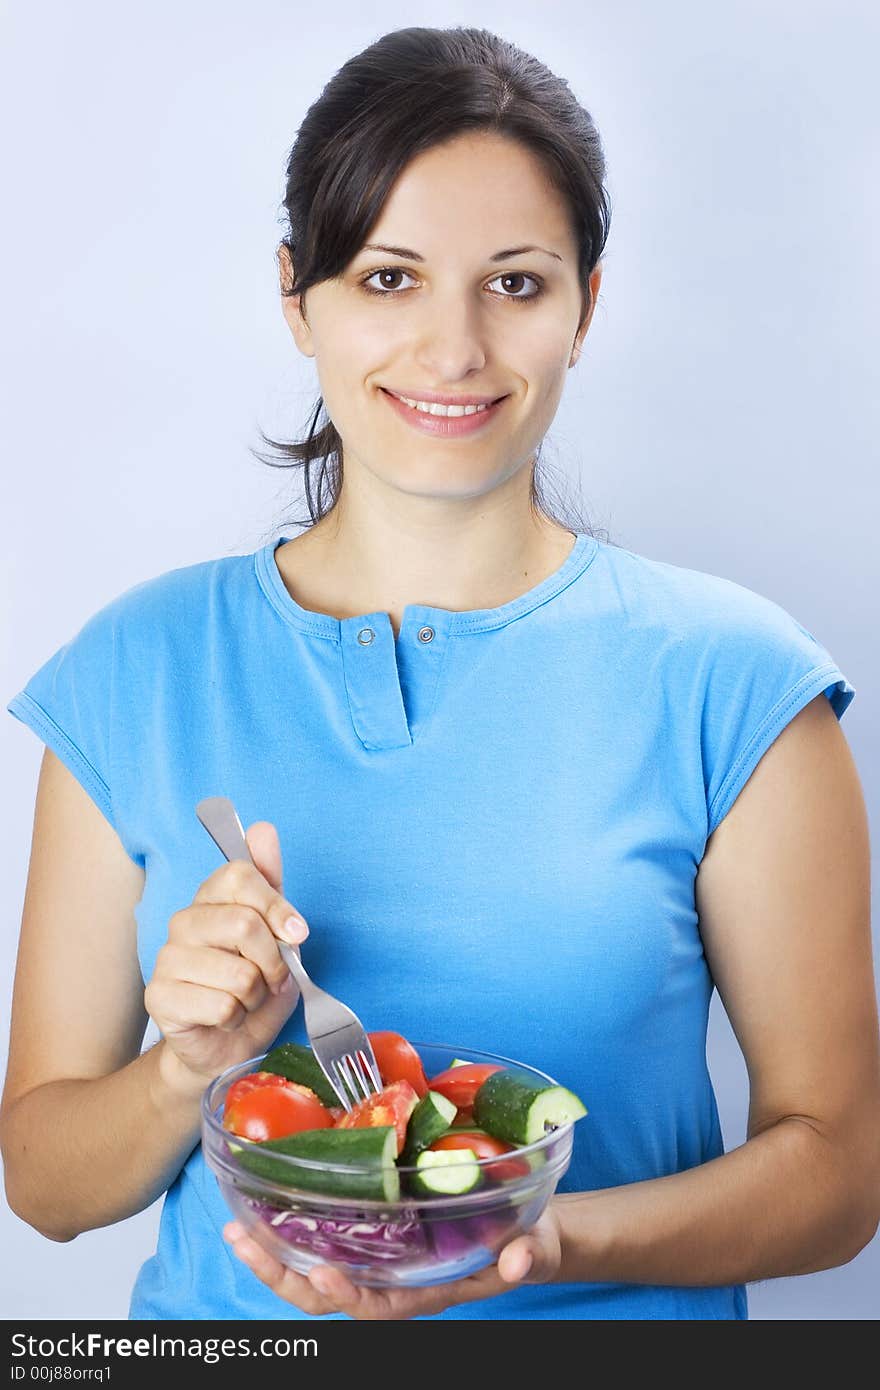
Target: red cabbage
351	1238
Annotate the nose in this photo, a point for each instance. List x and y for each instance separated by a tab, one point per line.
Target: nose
451	340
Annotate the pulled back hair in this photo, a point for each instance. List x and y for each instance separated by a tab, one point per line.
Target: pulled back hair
412	89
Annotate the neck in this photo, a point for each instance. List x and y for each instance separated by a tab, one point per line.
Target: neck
440	553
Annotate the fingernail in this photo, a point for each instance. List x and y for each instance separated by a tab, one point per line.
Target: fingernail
295	930
528	1266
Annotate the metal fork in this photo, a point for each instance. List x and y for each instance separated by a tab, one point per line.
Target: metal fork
339	1041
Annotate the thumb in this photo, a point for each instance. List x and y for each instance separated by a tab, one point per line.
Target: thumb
265	847
533	1256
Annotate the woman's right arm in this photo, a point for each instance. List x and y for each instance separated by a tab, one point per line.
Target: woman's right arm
91	1129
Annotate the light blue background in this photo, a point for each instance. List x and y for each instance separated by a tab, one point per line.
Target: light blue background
723	417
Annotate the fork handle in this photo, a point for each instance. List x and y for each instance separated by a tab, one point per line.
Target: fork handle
296	968
220	818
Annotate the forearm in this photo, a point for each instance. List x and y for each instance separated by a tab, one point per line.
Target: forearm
783	1203
79	1154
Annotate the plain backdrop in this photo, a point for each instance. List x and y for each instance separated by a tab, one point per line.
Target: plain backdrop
723	416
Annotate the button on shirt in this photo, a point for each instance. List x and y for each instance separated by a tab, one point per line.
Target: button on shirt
492	823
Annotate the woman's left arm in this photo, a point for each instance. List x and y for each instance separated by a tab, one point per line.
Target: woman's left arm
783	898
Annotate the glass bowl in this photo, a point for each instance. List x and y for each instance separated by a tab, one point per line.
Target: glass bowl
410	1242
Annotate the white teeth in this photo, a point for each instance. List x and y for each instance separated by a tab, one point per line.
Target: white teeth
430	408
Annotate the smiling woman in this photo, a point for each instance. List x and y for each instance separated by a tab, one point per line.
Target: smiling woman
471	121
538	793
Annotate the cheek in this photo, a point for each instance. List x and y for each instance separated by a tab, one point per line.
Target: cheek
353	359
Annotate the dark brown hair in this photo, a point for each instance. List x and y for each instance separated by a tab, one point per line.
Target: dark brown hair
410	90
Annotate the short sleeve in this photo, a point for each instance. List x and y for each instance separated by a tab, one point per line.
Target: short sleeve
68	703
763	668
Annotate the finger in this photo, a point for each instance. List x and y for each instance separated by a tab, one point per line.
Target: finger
228	927
176	1005
359	1301
286	1283
265	847
240	881
221	969
527	1257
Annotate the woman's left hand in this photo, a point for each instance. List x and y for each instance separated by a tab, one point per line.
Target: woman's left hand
532	1258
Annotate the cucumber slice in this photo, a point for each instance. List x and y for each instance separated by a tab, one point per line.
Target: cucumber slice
371	1152
299	1063
458	1062
432	1117
447	1172
514	1106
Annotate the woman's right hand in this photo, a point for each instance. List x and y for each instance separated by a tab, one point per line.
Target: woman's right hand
221	992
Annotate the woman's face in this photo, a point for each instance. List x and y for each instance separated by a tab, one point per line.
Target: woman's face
449	315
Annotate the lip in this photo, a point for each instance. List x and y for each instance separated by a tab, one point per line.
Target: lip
436	398
444	426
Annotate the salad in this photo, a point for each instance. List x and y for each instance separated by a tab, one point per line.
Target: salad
419	1137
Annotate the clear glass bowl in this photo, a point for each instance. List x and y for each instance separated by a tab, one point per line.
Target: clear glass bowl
410	1242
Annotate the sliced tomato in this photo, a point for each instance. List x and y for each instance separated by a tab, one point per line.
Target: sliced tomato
250	1082
263	1105
398	1061
464	1117
460	1084
393	1106
486	1146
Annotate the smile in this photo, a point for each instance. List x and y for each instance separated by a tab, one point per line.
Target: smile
443	420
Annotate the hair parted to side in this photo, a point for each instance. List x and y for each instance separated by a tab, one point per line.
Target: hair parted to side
412	89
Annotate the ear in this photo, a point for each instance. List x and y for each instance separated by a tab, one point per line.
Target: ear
595	281
292	306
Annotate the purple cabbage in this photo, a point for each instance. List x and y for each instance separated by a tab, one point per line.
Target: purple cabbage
453	1239
347	1238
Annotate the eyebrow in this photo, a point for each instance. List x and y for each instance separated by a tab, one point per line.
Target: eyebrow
498	256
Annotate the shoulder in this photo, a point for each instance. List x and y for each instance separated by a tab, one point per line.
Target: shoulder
693	605
174	603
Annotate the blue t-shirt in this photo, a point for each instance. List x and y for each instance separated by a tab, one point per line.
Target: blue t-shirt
492	824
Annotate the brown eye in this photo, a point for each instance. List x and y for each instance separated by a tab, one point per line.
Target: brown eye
383	276
512	281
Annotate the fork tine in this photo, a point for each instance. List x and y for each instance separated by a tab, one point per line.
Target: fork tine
368	1067
357	1066
329	1071
344	1068
374	1073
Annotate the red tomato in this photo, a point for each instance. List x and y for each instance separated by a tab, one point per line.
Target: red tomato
399	1061
393	1106
464	1117
262	1106
460	1084
485	1146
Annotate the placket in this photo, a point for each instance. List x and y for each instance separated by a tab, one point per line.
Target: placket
391	685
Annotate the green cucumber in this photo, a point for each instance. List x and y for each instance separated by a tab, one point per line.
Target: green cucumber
446	1172
371	1152
458	1129
432	1117
512	1105
299	1063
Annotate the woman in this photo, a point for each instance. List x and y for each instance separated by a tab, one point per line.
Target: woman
536	793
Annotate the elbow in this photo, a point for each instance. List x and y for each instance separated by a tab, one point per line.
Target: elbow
869	1234
864	1182
21	1198
23	1206
845	1199
870	1211
862	1230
